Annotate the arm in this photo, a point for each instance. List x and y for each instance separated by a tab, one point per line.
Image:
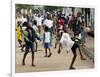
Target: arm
43	37
37	37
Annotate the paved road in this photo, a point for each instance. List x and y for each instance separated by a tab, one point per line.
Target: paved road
54	63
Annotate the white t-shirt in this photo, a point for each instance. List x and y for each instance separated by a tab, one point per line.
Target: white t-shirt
66	39
35	17
48	23
39	21
47	37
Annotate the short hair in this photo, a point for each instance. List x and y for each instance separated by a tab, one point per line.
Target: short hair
46	28
35	22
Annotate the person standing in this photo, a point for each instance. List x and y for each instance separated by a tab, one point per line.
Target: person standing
46	42
39	23
49	23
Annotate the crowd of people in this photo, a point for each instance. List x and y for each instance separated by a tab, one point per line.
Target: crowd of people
31	27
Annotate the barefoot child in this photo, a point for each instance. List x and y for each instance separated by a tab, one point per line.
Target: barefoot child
70	45
30	43
47	41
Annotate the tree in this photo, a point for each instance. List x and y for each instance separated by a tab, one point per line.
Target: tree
51	8
24	6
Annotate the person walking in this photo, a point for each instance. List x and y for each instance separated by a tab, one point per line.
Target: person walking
30	43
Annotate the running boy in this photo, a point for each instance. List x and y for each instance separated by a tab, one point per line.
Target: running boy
70	45
47	41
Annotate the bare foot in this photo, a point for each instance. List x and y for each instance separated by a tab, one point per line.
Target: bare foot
33	65
23	63
82	58
50	55
72	68
59	51
45	56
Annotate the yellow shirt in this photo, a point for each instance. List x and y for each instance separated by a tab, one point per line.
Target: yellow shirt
19	33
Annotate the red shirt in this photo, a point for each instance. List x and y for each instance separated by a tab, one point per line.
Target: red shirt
61	22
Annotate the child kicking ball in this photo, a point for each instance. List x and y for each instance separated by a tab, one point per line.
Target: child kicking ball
71	45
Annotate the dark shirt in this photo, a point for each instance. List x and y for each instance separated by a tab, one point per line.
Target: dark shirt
33	37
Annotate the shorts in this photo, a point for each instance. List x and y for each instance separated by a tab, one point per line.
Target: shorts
29	46
47	45
74	47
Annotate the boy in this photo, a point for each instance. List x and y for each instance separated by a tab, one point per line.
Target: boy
70	45
47	41
30	43
35	28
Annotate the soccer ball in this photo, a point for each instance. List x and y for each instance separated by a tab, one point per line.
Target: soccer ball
87	29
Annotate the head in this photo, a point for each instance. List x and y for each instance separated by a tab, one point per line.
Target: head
49	17
65	29
34	22
82	17
39	15
78	14
46	29
69	14
27	24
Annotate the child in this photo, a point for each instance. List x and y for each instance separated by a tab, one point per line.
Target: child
59	32
30	44
70	45
36	31
39	22
25	35
19	33
46	41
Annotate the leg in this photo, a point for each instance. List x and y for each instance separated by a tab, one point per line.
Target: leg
45	52
49	52
74	58
59	49
20	42
32	58
23	47
39	29
82	58
36	45
55	44
25	54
